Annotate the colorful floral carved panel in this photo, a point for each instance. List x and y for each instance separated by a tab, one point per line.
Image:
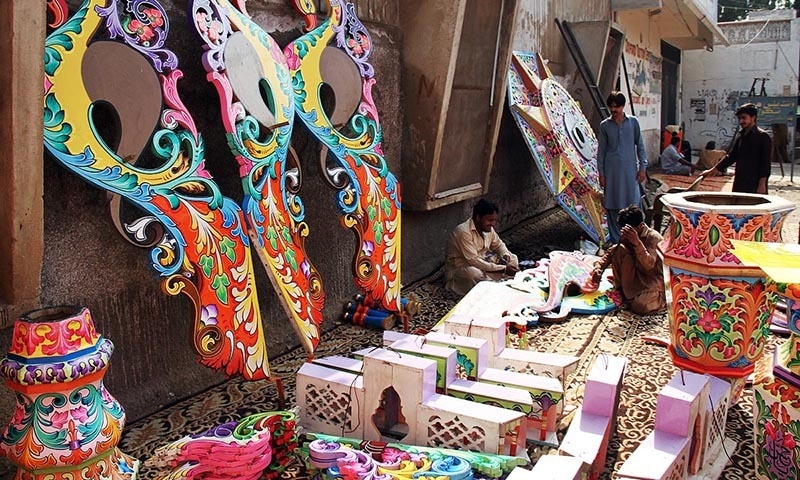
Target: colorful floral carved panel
241	58
718	325
255	447
202	248
706	237
65	424
776	421
377	461
58	12
559	137
368	193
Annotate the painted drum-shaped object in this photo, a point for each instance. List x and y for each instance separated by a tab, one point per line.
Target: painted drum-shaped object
719	309
65	424
776	426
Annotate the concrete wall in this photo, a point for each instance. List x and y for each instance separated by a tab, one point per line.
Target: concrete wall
642	55
86	262
712	81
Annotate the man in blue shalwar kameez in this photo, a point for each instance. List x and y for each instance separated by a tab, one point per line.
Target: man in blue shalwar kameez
621	161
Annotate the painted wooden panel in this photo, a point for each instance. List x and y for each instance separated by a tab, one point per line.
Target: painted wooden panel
198	239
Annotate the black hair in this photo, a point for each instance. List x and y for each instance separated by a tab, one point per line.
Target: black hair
748	109
484	207
630	215
712	145
675	140
617	98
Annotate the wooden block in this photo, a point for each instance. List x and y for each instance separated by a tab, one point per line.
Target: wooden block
390	336
680	402
489	300
451	422
661	456
545	391
587	439
716	418
360	354
330	400
603	384
444	357
539	428
403	379
537	363
493	330
553	467
682	409
473	353
339	362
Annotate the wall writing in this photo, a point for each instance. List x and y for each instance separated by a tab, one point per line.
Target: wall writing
644	79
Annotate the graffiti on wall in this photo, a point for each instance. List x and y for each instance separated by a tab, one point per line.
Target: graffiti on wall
717	122
644	77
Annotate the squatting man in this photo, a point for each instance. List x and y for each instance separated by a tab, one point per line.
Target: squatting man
475	252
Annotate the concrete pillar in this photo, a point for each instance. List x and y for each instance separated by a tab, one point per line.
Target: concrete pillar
21	184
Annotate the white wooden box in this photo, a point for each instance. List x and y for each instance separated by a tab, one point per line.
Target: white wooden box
330	400
451	422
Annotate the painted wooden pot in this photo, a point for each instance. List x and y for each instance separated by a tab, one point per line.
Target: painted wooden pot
719	309
65	424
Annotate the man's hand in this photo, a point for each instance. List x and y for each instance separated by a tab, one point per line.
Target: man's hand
511	269
630	235
597	275
602	181
711	172
641	176
762	186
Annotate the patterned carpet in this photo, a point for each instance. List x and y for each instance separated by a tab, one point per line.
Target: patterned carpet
584	336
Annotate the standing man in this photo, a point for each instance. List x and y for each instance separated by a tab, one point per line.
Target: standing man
751	152
673	162
621	161
476	253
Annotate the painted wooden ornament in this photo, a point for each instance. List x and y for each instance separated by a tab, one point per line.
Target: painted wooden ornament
368	195
65	424
376	460
241	59
718	307
255	447
559	137
547	282
198	237
422	460
776	405
58	11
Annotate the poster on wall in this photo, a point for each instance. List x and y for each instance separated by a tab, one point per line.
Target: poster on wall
774	109
698	108
644	79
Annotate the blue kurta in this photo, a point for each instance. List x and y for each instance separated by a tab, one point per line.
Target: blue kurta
617	152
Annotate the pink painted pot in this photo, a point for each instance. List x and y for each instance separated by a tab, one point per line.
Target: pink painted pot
719	309
65	424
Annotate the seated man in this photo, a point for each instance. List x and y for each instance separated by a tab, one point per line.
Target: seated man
673	162
635	264
476	253
710	156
